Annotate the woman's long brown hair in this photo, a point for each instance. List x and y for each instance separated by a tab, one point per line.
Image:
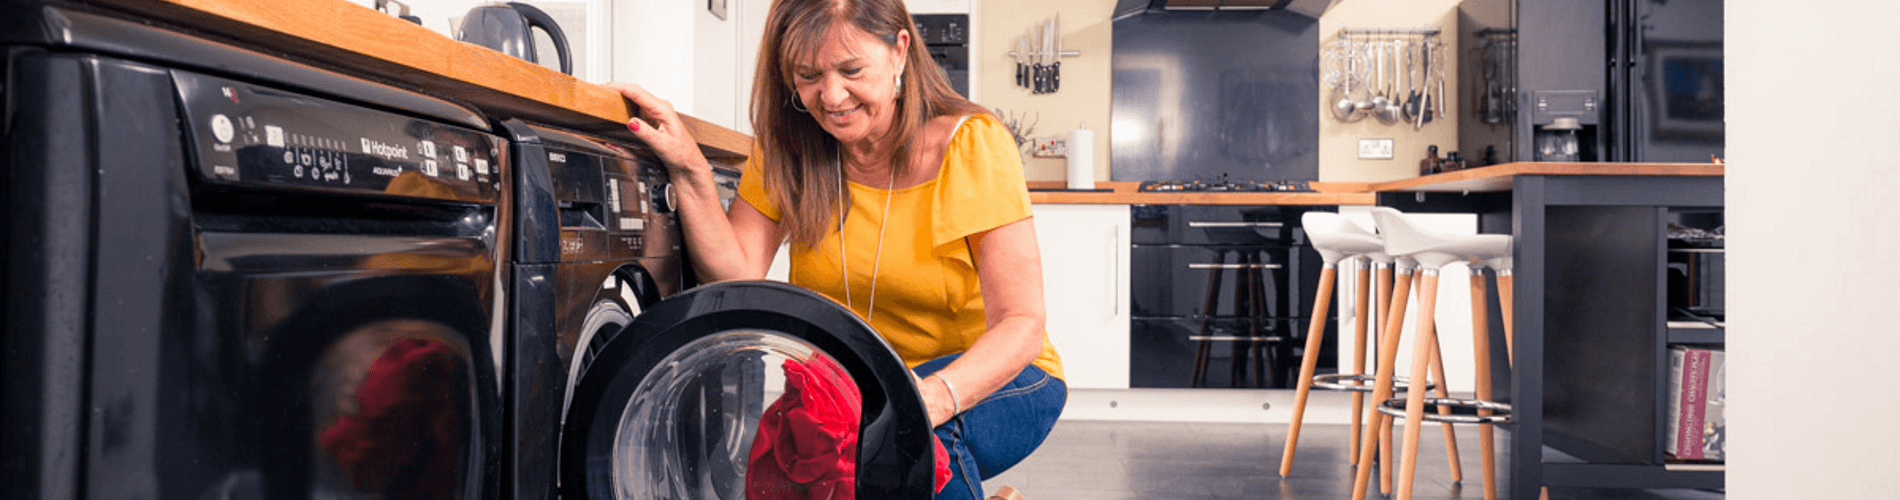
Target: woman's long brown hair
801	161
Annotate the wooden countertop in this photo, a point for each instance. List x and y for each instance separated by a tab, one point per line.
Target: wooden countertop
1128	193
361	41
1500	177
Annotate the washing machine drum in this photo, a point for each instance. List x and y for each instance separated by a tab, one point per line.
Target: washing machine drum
741	379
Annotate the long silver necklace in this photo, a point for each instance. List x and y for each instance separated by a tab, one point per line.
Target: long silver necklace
877	257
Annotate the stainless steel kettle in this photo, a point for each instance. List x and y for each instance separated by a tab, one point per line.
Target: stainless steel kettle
508	28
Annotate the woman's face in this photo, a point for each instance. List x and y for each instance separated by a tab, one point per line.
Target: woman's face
850	83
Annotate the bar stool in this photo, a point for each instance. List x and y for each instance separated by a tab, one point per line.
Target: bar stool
1434	251
1338	239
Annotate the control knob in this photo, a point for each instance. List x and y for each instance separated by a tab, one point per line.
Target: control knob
664	200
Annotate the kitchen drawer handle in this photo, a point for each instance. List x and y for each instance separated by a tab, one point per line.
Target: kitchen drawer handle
1233	224
1233	266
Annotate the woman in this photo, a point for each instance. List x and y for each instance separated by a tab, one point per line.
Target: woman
936	248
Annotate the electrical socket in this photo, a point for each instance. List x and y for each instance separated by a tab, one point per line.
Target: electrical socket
1049	147
1375	149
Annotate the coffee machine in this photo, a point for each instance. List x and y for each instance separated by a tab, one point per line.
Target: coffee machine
1564	126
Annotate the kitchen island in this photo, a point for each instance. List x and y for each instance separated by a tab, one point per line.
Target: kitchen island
1589	385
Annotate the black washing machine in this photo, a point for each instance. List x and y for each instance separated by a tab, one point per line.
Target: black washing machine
231	276
630	382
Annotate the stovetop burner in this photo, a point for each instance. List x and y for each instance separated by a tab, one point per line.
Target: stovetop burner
1226	186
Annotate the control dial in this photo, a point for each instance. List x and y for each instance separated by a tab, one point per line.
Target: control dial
664	199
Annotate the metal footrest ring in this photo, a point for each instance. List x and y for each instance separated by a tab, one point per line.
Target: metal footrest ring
1360	382
1464	411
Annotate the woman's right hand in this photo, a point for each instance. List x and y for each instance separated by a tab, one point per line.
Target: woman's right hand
656	124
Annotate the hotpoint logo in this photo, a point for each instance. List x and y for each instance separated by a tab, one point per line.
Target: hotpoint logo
384	150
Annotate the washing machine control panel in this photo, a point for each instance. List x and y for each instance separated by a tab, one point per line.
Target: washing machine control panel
614	202
246	135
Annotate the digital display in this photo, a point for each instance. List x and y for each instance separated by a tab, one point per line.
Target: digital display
255	136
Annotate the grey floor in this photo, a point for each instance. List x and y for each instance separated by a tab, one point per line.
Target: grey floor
1112	460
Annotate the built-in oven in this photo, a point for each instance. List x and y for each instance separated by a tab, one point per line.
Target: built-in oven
1218	294
947	38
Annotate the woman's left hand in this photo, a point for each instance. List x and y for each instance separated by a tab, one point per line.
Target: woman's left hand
658	125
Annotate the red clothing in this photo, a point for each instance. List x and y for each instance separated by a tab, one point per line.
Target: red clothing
405	441
807	443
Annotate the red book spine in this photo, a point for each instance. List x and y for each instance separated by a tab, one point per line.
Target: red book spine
1695	384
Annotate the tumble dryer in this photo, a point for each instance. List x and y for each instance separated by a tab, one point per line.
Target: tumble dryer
630	381
228	275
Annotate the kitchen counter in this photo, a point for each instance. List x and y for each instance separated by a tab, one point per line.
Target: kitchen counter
358	40
1499	178
1589	316
1129	193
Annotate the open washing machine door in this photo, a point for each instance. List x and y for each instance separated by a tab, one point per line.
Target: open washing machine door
671	407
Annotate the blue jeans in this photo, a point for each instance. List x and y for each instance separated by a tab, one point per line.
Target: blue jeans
996	433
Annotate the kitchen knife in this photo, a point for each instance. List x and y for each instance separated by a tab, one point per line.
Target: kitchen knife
1055	54
1021	53
1035	50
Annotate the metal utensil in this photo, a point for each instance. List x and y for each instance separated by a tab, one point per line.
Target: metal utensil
1410	110
1378	100
1055	53
1389	113
1347	57
1024	58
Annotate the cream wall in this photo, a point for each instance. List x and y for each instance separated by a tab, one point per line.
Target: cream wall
1812	351
1084	96
1339	142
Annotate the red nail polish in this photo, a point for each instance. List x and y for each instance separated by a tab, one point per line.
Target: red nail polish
633	125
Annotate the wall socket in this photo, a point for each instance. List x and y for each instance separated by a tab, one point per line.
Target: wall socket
1051	147
1375	149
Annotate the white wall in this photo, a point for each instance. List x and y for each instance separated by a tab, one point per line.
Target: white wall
1812	352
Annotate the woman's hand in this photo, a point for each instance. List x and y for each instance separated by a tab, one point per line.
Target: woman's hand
936	398
660	127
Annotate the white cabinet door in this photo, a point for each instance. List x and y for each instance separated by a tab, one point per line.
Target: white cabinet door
1085	289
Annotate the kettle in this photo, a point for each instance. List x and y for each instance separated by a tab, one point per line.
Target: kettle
507	29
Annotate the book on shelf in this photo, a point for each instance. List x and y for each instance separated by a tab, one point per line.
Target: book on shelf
1697	427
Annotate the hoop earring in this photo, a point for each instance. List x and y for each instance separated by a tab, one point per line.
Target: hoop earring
900	84
797	105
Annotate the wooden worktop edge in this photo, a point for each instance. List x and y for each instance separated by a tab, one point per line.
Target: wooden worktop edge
1498	177
362	41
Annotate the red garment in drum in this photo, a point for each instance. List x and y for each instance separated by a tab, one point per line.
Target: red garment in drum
405	439
808	439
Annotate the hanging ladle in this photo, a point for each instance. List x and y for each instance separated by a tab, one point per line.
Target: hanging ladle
1389	112
1376	106
1345	108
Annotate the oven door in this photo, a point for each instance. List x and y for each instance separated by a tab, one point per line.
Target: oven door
1209	307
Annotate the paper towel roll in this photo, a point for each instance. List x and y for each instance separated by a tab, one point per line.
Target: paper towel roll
1081	148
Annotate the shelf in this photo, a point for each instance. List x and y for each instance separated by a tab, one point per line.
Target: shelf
1695	332
1599	475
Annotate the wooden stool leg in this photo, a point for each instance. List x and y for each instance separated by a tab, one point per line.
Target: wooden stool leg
1442	391
1387	443
1243	290
1382	383
1209	307
1264	369
1361	300
1415	399
1505	309
1481	349
1309	361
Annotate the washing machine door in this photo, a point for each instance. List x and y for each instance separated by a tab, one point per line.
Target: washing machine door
671	408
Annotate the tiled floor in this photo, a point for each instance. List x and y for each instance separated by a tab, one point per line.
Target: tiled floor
1113	460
